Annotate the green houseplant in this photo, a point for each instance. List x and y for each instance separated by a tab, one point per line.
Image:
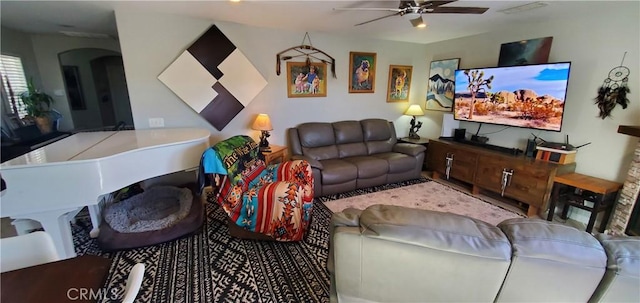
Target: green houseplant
37	104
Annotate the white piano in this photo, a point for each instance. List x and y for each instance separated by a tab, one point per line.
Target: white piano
51	182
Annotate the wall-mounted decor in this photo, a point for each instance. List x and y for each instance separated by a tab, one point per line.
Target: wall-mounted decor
307	51
306	80
399	83
362	72
613	90
440	91
214	78
532	51
74	88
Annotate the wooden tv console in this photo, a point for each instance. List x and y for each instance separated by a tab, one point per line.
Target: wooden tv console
526	180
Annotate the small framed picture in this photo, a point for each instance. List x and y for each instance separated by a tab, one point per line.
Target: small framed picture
362	72
441	88
306	80
399	83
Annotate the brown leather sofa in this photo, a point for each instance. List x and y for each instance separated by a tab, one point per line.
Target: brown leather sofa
390	253
348	155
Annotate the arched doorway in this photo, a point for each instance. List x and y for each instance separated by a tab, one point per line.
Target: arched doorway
96	88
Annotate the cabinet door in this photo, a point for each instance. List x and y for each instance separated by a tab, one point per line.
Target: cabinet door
529	181
464	165
436	157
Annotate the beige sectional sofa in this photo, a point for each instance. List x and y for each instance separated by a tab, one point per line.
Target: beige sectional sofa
348	155
395	254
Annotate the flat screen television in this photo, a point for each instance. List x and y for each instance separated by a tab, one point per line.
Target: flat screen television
531	96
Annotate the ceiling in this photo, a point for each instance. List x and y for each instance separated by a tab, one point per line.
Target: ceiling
302	15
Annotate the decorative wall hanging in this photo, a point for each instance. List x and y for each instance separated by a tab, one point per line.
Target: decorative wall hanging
532	51
214	78
71	78
362	72
441	84
308	52
306	80
399	83
614	90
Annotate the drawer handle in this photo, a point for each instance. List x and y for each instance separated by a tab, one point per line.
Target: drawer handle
506	179
449	162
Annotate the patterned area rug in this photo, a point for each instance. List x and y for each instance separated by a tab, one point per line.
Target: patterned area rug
211	266
430	196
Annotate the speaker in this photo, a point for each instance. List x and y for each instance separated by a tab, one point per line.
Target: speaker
531	148
448	125
460	134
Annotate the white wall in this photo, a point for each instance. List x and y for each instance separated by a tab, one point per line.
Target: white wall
17	43
46	49
150	42
594	44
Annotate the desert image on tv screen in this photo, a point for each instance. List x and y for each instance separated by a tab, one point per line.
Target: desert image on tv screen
525	96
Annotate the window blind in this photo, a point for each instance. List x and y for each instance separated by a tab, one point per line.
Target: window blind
12	70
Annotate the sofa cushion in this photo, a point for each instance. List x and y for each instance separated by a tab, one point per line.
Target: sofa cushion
316	134
566	264
376	129
338	171
621	280
397	162
347	132
369	167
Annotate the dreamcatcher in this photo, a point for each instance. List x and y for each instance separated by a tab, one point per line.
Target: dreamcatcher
614	90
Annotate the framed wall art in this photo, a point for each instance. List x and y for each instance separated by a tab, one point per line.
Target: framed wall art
71	77
399	83
362	72
532	51
306	81
441	90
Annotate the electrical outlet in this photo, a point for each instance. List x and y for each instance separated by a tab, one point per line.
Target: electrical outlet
156	122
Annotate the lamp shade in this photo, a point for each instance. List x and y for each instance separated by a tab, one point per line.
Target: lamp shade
414	110
262	123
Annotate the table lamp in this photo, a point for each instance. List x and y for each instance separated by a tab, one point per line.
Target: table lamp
414	110
263	124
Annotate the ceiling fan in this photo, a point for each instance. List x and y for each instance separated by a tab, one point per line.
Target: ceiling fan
419	7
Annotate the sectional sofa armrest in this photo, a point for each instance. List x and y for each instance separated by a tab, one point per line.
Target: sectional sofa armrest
346	221
347	217
409	148
313	162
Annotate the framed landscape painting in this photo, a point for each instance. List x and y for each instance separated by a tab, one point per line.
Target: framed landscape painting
362	72
306	81
440	91
399	83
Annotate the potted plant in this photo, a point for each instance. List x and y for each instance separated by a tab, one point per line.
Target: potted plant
37	104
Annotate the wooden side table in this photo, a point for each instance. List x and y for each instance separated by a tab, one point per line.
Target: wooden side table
278	154
580	191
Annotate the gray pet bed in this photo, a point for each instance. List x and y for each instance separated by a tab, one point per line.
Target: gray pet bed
157	215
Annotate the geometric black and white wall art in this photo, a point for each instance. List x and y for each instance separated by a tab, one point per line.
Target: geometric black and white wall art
214	78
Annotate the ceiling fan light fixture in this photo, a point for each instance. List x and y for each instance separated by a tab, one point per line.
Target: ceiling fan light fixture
418	22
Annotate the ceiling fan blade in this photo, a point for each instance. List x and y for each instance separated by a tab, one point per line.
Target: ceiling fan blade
435	4
457	10
366	9
376	19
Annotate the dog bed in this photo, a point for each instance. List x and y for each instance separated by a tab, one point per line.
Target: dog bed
157	215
